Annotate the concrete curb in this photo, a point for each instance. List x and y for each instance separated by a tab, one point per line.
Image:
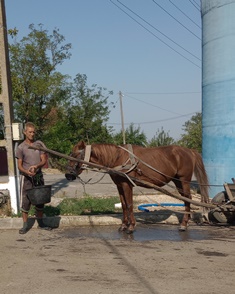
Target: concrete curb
163	217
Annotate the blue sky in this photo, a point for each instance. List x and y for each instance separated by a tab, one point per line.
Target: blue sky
150	50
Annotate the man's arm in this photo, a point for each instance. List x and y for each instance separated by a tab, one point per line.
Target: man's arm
24	171
43	160
33	169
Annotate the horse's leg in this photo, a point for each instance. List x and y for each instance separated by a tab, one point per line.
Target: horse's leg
126	196
124	225
184	190
129	199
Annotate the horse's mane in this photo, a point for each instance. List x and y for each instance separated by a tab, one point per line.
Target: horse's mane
108	154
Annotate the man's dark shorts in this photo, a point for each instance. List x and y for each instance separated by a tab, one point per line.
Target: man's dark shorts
27	183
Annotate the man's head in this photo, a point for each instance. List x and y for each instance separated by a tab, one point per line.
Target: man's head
29	131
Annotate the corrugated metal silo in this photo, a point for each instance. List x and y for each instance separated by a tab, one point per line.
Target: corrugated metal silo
218	91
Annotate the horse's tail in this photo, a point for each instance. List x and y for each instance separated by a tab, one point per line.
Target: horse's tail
201	176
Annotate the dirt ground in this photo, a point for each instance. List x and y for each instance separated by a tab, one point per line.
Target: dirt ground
64	261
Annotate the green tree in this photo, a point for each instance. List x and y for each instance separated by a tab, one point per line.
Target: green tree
161	138
65	111
192	138
84	118
37	86
132	135
89	111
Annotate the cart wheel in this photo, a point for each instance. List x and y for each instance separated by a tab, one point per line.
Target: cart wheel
221	215
220	198
216	215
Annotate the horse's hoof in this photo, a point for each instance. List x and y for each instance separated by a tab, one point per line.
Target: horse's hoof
130	230
122	229
182	228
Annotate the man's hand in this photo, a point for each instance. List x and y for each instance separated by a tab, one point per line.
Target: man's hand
32	170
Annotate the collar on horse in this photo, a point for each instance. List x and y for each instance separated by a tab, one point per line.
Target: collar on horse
131	159
87	156
125	167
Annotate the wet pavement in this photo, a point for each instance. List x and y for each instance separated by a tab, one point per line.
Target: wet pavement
154	232
156	259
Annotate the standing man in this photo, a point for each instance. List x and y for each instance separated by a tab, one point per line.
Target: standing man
30	162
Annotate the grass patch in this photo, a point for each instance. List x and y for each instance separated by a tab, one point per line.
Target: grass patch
74	206
84	206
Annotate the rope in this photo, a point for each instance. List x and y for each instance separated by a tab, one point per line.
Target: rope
164	183
146	164
110	171
88	181
162	190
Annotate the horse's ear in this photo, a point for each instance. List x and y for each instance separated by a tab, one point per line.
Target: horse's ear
81	145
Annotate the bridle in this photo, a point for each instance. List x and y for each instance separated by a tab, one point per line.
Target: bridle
73	171
80	156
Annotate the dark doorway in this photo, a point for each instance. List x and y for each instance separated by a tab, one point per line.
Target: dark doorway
3	162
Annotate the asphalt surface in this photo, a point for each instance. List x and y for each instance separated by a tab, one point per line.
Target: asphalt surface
81	257
76	261
95	184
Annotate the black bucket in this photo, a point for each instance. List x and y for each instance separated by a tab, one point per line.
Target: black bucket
39	195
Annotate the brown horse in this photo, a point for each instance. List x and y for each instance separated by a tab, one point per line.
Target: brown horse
157	165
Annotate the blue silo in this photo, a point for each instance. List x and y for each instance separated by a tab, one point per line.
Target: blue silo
218	91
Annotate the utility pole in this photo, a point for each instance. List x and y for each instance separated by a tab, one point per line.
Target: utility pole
6	102
122	119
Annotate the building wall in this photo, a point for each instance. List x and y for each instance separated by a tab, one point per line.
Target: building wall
218	91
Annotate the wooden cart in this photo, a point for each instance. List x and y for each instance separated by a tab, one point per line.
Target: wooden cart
225	212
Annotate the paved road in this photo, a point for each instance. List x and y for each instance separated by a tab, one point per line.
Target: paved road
95	184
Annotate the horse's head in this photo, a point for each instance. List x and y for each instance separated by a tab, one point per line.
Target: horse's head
74	168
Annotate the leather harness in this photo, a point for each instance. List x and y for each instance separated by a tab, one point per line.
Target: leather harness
126	168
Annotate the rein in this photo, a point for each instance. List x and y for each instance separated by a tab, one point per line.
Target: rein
149	166
111	171
130	167
134	162
152	168
127	166
131	158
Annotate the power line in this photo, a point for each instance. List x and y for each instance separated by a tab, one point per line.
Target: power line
145	102
175	19
158	30
161	120
185	14
192	2
155	35
162	93
166	119
155	121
